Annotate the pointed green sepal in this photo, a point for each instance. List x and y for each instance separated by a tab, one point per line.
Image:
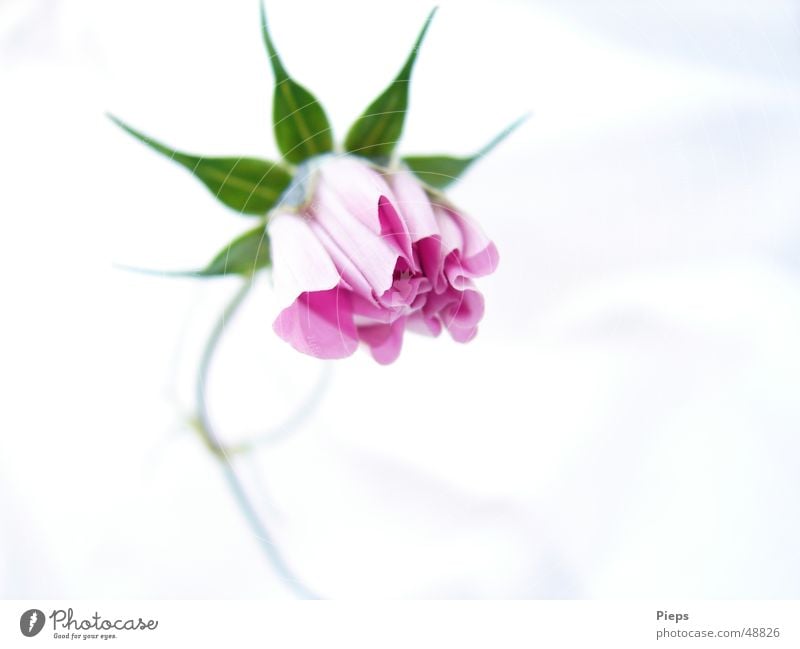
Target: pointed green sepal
247	185
375	134
244	255
439	171
301	127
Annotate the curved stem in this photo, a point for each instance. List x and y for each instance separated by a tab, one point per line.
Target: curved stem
219	451
204	425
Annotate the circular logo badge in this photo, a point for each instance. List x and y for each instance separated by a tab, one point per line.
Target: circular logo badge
31	622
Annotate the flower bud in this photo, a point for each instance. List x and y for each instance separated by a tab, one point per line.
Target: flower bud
369	255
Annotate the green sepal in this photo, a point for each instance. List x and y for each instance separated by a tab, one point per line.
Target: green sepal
439	171
301	127
247	185
244	255
375	134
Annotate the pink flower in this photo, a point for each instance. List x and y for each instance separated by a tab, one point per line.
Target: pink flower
370	256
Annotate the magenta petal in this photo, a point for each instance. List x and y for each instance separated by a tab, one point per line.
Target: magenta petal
393	228
407	287
420	323
468	252
367	251
385	340
473	240
366	312
348	270
449	232
459	311
482	263
357	187
459	271
431	259
414	206
299	261
462	317
320	324
460	232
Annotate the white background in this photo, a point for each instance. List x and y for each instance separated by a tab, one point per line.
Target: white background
625	424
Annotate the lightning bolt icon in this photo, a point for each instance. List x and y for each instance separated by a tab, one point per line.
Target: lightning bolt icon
32	621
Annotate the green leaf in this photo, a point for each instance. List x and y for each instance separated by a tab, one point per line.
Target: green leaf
301	127
247	185
375	134
441	170
243	256
437	170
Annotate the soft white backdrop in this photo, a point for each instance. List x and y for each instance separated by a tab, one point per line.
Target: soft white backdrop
625	424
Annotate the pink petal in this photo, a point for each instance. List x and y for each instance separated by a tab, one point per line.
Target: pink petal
414	205
460	232
476	254
393	227
357	187
299	261
430	254
483	263
320	324
419	323
368	252
463	317
350	273
459	311
459	270
384	340
406	287
369	312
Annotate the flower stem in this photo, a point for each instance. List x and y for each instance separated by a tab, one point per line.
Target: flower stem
212	442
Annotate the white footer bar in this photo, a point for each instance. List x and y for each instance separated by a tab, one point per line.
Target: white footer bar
400	624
